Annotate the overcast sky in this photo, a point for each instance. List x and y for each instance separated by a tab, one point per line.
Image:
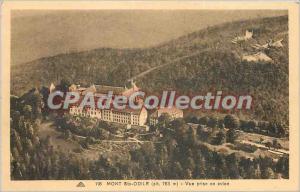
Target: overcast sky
37	34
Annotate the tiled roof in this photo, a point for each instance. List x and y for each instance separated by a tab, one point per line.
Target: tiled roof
105	89
128	110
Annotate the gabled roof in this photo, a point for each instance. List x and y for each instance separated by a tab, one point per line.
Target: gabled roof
129	110
105	89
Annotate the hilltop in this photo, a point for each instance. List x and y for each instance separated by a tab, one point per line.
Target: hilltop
198	62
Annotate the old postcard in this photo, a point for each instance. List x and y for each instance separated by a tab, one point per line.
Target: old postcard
149	96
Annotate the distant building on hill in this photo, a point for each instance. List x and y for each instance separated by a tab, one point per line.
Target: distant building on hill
260	56
248	35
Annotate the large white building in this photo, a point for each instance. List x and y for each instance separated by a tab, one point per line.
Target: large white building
124	116
128	116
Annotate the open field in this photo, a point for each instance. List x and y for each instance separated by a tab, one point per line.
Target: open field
228	149
254	137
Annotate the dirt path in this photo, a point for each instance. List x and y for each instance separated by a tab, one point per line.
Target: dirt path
168	63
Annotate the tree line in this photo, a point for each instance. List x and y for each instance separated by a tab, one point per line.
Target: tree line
177	155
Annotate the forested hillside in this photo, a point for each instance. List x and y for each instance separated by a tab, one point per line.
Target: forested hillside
179	154
199	62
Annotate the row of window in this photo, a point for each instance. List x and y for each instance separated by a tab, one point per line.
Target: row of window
106	115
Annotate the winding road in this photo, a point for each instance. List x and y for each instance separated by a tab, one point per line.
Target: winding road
168	63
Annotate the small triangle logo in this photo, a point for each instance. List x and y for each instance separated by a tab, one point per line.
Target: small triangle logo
80	184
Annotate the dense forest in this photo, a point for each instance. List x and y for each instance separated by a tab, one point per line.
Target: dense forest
202	61
199	62
179	154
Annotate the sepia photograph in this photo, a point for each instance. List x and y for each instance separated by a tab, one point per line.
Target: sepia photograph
135	96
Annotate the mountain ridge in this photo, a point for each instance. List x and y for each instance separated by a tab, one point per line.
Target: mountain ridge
220	67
